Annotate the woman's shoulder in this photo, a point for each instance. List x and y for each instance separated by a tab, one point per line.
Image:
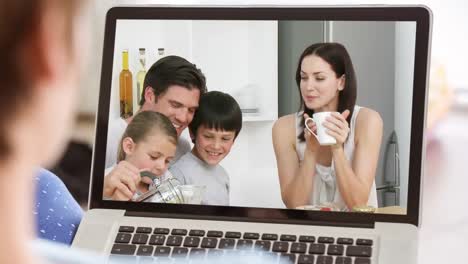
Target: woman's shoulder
368	120
286	121
284	129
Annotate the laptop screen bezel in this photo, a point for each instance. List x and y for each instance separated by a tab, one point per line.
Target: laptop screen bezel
419	14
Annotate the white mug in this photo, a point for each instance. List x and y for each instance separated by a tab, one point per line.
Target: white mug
323	138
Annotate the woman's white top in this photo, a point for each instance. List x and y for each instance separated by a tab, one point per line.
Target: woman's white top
325	189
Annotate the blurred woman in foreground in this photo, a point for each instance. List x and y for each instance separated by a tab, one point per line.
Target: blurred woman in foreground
43	43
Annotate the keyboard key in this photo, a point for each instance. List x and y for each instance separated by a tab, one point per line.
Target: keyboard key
195	232
345	241
123	249
119	259
174	241
144	230
362	261
335	250
161	231
269	257
140	239
326	240
231	255
163	260
179	252
269	237
123	238
145	260
232	235
291	238
298	248
179	232
191	241
197	252
317	249
359	251
287	258
324	260
262	245
209	242
213	233
227	243
250	254
157	239
145	251
305	259
248	235
215	253
280	247
127	229
343	260
244	244
307	239
162	251
364	242
181	260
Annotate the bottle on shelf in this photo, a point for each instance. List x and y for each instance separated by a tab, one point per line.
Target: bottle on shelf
126	91
141	74
161	54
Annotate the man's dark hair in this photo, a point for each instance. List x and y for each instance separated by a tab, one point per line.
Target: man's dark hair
173	70
217	110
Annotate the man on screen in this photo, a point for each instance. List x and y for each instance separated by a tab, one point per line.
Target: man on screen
173	87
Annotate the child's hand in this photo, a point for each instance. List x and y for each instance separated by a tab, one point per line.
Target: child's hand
121	183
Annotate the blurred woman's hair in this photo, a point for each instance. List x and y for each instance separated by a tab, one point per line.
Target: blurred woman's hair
19	26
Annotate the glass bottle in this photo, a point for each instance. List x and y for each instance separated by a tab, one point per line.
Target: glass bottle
126	96
141	74
160	55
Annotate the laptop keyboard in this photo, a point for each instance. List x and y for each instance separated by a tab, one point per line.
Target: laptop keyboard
146	244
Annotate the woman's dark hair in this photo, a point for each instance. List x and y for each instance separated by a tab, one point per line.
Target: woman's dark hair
19	24
336	55
217	110
142	124
173	70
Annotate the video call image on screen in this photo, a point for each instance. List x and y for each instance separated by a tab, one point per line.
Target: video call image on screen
212	112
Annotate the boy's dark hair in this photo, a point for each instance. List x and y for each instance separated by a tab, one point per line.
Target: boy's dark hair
173	70
217	110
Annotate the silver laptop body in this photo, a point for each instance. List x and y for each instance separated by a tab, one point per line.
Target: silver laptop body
293	235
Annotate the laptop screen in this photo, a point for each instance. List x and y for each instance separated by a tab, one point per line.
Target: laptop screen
302	114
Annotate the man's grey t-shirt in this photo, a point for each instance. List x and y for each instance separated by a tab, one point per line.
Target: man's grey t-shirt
191	170
116	130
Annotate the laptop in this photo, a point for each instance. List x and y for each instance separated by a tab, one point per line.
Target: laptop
251	53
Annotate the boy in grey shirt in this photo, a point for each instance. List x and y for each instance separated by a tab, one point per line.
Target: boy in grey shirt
214	128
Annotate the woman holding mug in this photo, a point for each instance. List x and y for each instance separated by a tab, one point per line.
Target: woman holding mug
341	172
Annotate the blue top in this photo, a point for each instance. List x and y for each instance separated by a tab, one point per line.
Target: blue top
58	214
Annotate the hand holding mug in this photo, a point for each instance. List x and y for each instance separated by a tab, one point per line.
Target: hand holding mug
331	127
337	126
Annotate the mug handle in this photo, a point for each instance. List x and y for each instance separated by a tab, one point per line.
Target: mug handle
305	124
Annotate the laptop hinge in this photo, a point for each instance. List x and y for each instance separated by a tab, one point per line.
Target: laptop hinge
252	220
